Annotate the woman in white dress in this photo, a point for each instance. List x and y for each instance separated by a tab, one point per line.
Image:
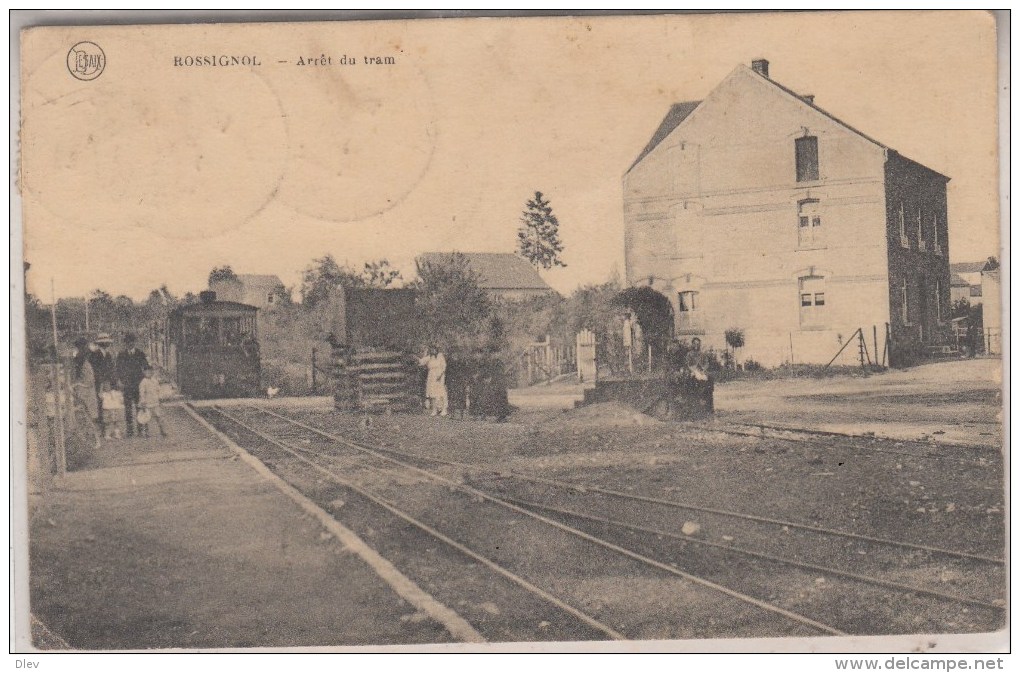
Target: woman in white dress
435	385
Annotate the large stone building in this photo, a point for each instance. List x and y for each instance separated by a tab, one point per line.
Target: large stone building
756	209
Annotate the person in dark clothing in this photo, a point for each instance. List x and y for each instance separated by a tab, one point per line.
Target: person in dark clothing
81	354
489	392
131	366
104	373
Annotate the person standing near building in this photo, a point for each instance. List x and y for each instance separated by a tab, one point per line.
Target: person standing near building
697	364
131	366
104	373
435	385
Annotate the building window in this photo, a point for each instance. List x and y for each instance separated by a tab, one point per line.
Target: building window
938	300
807	158
689	314
935	229
921	245
270	298
809	225
812	301
904	303
904	241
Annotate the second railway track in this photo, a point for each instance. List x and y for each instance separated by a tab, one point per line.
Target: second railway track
595	528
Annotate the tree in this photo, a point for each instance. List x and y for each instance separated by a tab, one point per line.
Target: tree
454	311
322	275
379	274
538	238
221	273
735	340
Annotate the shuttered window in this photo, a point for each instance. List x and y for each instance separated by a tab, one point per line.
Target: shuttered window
807	158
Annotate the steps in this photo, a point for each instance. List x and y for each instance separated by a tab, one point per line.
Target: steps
374	381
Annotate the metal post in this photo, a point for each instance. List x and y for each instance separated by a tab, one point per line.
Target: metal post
874	337
313	369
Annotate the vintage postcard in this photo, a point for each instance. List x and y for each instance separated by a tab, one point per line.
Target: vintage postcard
546	332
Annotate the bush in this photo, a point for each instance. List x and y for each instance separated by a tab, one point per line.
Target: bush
751	365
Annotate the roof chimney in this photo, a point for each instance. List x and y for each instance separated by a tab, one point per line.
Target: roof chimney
760	66
809	98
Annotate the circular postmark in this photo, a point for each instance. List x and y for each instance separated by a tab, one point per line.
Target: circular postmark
86	61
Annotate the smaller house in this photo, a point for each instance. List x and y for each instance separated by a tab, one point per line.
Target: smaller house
969	273
992	310
502	275
959	288
264	291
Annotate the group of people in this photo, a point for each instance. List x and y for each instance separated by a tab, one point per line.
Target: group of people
476	386
122	392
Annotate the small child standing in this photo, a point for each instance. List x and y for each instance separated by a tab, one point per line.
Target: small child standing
148	403
113	412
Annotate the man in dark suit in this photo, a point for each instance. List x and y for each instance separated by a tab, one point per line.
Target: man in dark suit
131	366
103	373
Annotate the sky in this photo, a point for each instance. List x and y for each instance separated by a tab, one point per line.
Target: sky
153	173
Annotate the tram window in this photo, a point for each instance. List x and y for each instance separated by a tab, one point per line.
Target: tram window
210	334
231	331
192	331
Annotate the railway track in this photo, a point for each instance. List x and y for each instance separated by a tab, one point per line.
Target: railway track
621	534
535	547
983	456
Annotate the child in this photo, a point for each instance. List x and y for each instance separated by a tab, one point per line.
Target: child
113	411
148	403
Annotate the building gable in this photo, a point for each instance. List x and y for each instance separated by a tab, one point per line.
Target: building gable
750	123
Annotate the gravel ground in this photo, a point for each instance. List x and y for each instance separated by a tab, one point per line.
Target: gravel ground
954	502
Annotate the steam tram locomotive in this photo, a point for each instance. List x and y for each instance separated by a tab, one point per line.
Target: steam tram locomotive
210	349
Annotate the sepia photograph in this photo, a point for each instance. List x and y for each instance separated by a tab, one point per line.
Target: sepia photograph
662	332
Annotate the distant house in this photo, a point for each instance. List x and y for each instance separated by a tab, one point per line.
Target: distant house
959	288
971	274
264	291
992	310
502	275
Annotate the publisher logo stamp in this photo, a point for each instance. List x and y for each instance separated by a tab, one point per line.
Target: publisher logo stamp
86	61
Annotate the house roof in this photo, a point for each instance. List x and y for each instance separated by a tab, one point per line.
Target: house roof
967	267
677	113
259	279
496	270
266	280
955	280
680	111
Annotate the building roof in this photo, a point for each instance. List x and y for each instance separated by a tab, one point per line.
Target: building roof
956	280
496	270
677	113
680	111
260	279
967	267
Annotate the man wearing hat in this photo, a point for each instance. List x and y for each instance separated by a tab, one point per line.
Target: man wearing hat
101	360
131	366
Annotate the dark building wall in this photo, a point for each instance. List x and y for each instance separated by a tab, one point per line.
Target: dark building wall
375	318
919	258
